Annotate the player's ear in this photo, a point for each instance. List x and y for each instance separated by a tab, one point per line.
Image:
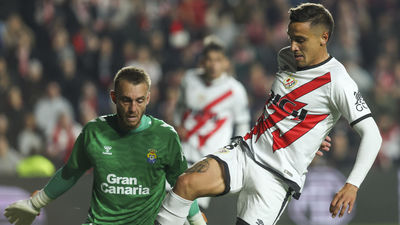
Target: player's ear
324	38
148	97
113	97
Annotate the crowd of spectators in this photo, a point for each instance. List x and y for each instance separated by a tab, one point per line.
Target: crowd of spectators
58	58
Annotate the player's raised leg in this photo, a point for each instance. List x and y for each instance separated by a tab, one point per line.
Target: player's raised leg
205	178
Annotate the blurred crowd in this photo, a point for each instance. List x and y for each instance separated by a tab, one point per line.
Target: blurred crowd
58	59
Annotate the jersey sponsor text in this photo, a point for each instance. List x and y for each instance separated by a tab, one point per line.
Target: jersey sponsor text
123	186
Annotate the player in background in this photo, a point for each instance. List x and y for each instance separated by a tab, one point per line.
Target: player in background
132	156
212	103
312	90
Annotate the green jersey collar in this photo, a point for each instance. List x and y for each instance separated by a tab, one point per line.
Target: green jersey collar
145	123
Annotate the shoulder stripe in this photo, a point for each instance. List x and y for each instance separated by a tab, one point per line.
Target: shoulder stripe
360	119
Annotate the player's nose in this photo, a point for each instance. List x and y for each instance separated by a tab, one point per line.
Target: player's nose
132	106
294	46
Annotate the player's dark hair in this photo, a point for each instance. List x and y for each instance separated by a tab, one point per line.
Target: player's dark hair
317	14
133	75
212	43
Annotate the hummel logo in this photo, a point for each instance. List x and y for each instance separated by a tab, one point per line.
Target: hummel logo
107	152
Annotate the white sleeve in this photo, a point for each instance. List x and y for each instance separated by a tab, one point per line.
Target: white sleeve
371	141
348	99
350	103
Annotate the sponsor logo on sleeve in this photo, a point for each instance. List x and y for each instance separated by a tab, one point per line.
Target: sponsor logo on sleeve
360	103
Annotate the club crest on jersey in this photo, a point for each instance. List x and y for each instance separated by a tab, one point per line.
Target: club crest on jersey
152	156
289	82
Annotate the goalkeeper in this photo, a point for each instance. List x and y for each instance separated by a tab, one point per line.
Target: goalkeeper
132	155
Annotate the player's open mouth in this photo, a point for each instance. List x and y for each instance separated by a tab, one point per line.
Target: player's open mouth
131	118
298	57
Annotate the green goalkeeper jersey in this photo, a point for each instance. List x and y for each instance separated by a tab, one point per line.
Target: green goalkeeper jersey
130	169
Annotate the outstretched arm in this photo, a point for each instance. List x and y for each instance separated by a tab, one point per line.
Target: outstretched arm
371	141
23	212
26	210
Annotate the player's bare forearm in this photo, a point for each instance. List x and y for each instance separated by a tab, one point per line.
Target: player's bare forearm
344	199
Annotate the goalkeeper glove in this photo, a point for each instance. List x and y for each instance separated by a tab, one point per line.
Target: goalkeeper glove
23	212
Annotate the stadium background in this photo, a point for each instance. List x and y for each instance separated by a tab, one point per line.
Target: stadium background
58	58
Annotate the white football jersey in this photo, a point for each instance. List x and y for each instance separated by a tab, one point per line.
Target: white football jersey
209	111
303	107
